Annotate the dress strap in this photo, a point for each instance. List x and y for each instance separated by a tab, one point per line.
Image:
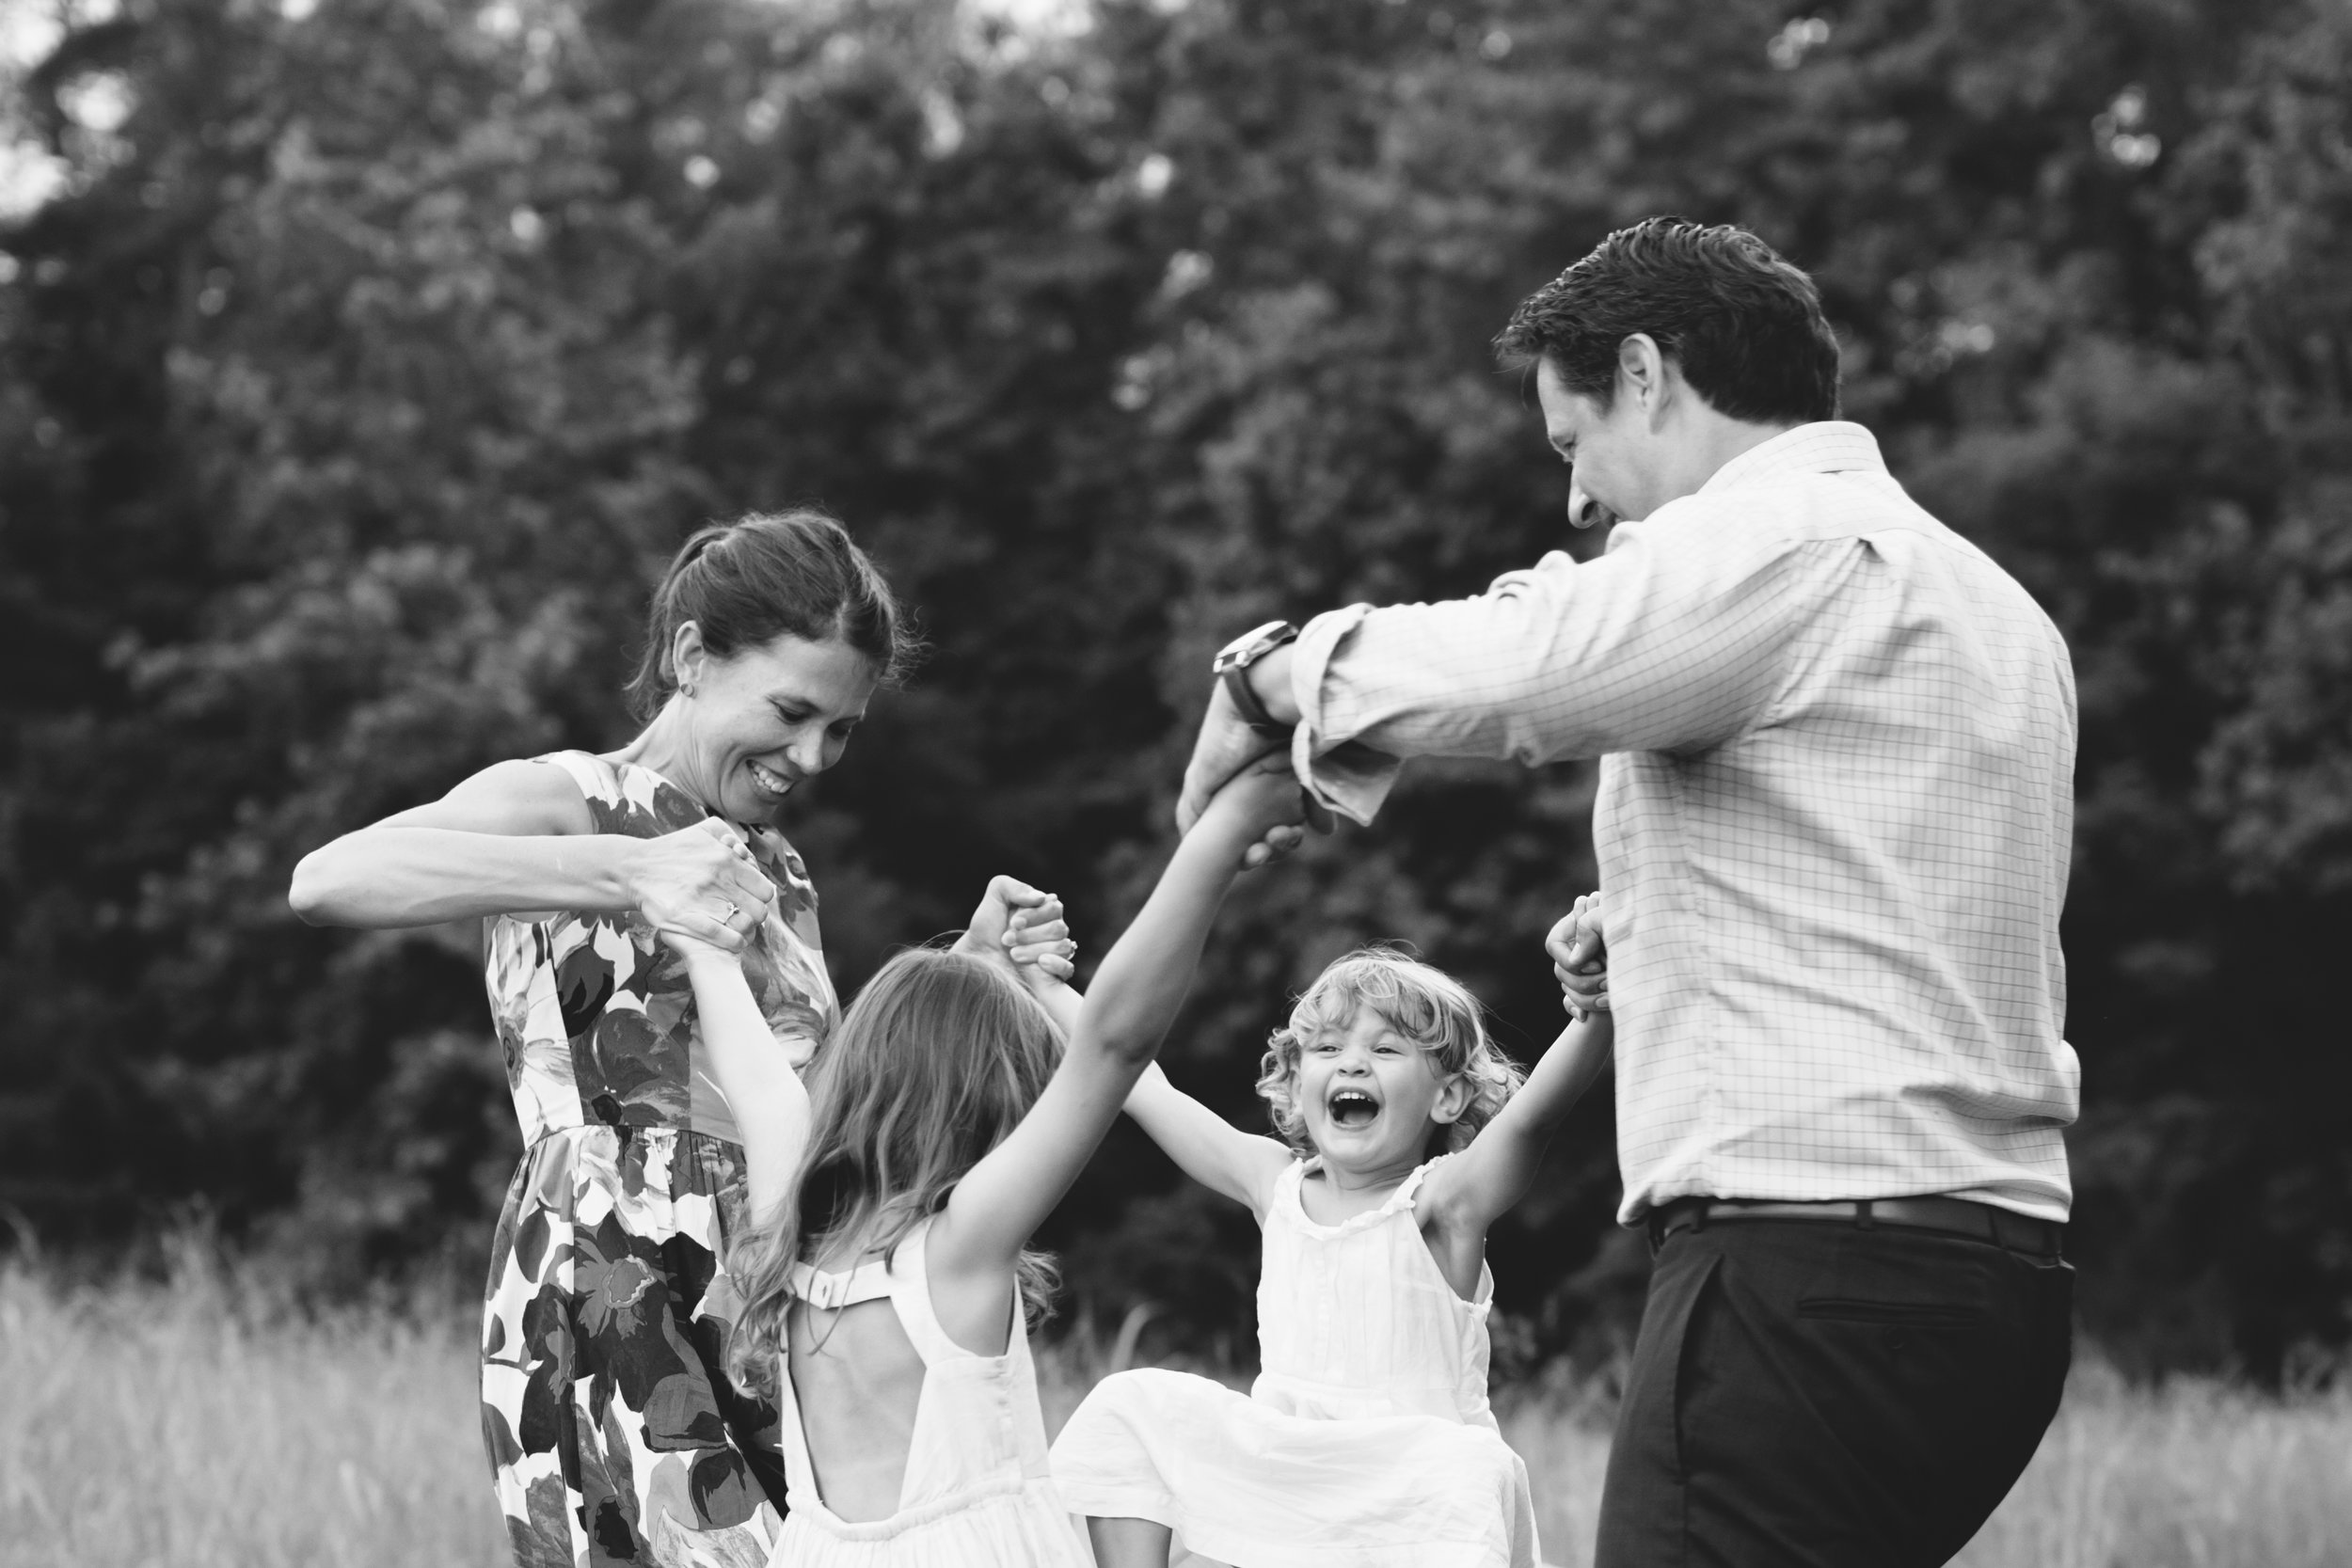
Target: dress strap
902	1277
909	1269
868	1281
1408	1191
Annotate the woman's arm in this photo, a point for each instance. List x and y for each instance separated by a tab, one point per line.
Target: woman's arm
1119	1025
515	837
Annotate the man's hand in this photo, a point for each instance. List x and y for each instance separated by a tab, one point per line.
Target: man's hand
1224	746
1227	744
1260	807
1580	957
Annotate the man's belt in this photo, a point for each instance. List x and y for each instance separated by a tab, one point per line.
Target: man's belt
1951	1216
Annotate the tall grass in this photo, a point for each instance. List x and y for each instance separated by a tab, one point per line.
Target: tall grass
205	1422
2197	1473
208	1420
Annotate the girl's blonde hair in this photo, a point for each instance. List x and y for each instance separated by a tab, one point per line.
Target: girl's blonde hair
1426	1005
935	1063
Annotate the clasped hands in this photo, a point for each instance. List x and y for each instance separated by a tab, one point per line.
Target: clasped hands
1226	745
1580	957
702	886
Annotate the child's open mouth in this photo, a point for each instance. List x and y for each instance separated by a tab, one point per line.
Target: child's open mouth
1352	1108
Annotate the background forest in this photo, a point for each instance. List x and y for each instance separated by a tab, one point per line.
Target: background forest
360	360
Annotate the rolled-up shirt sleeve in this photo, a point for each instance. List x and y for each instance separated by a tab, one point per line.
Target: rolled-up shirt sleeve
1676	639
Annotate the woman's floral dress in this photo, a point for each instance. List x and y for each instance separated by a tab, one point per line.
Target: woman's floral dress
613	1432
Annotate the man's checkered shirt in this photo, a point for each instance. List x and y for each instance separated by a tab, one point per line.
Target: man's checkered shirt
1835	816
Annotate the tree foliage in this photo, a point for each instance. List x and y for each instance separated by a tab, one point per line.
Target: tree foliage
355	381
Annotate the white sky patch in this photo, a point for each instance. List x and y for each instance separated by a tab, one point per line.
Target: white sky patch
942	127
27	32
1049	18
30	174
100	101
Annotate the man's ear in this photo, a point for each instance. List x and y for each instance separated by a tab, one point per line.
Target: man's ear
1641	376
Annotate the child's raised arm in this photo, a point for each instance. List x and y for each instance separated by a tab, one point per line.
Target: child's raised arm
1118	1027
1468	1193
753	1070
1207	1148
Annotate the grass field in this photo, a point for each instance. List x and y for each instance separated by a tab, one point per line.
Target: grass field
204	1425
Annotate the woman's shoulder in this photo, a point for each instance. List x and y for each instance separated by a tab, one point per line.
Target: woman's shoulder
623	797
517	797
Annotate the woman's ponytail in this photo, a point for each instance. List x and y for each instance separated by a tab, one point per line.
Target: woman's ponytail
765	576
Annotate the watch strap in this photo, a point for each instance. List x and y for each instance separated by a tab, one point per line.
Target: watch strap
1247	703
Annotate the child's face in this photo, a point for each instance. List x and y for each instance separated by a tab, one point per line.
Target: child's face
1371	1095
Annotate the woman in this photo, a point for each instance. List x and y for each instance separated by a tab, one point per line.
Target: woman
612	1432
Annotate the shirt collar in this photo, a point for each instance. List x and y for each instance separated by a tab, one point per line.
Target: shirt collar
1824	446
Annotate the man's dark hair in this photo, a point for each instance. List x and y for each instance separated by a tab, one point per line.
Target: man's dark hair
1745	326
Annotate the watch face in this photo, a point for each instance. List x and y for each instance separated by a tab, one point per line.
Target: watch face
1254	644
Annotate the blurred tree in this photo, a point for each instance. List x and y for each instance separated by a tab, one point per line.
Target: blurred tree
371	356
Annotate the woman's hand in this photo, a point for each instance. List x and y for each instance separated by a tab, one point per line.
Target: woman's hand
1580	957
701	884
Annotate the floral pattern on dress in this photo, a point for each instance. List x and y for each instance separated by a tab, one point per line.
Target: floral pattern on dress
613	1434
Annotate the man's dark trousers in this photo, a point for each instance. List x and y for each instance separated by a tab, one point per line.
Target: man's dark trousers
1815	1394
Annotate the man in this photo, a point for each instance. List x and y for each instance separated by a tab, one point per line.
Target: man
1834	823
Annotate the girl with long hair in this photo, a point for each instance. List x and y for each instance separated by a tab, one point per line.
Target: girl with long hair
885	1279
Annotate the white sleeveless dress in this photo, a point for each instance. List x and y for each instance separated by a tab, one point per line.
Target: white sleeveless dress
1366	1442
979	1491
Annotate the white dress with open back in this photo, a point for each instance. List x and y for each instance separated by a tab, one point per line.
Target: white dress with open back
1367	1440
979	1491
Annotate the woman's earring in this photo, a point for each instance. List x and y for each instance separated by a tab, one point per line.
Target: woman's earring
685	688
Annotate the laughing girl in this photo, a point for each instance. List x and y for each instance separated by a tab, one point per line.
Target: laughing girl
1367	1439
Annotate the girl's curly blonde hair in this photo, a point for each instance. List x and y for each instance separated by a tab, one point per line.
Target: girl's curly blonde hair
1426	1005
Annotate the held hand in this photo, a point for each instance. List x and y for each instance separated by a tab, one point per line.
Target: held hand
1580	957
1041	947
1281	840
1038	941
1262	808
1224	746
701	884
1013	921
695	951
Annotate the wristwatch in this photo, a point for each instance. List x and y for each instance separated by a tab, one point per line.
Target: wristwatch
1233	667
